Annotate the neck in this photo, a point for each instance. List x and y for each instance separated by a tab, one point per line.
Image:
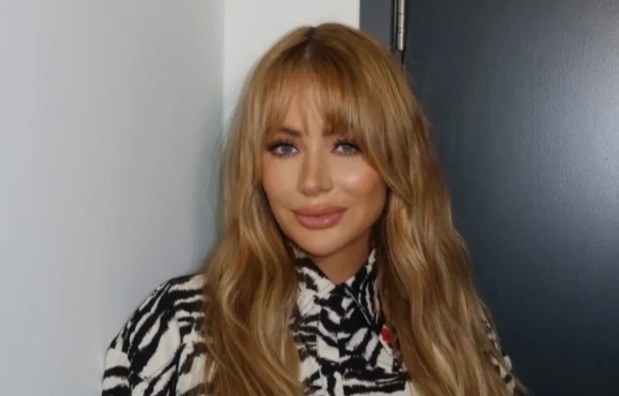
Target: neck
345	262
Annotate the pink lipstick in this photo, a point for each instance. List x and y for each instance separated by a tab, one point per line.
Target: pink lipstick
319	217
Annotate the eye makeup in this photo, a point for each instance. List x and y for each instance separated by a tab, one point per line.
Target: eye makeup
352	148
284	147
281	147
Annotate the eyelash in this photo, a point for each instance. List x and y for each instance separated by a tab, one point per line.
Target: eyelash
287	142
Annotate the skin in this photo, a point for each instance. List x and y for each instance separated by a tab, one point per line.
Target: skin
304	164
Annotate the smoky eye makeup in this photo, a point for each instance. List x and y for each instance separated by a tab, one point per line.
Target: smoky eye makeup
285	147
349	147
281	147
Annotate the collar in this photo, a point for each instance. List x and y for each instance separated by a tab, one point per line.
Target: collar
314	286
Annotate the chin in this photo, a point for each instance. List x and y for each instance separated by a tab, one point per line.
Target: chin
317	247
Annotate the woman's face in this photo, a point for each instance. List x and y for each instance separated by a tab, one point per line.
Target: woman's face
322	192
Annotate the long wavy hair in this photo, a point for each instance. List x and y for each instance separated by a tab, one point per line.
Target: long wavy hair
424	277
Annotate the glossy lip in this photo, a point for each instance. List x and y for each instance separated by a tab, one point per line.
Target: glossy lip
319	217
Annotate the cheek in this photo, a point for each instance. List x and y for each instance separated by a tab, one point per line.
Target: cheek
277	180
364	185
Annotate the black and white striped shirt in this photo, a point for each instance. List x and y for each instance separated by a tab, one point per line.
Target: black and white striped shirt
343	345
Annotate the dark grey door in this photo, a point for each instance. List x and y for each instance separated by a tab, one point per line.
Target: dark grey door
523	97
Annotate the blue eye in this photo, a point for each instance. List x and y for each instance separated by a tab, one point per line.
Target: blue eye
346	147
286	148
282	148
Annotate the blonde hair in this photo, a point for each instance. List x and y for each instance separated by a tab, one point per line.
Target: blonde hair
424	281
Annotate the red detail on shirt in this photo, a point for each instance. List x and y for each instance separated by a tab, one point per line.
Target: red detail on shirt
385	335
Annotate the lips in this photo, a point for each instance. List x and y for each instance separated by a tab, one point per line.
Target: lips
319	217
318	210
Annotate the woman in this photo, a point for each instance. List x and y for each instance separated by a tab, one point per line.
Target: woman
338	270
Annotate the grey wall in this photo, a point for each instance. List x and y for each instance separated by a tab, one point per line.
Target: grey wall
110	116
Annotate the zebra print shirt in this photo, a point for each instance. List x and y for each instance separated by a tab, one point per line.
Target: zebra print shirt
343	345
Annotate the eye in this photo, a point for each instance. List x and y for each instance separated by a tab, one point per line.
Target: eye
282	148
346	147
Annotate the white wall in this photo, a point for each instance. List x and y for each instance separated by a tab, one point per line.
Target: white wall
252	26
111	116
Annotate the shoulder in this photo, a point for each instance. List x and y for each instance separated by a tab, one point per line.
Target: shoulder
173	306
162	331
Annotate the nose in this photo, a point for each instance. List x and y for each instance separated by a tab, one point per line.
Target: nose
315	175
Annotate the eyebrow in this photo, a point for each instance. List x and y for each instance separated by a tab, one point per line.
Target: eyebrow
295	132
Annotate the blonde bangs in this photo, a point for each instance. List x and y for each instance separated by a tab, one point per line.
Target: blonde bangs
331	83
